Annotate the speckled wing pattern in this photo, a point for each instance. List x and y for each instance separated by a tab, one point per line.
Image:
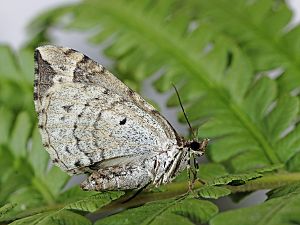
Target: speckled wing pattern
90	120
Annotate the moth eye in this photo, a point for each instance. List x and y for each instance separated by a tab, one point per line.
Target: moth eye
122	122
195	145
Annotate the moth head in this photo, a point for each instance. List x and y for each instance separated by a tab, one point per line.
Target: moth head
198	146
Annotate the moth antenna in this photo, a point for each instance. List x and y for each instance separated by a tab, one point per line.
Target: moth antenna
185	116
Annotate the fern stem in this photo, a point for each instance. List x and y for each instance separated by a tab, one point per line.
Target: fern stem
180	188
176	50
268	40
170	191
267	182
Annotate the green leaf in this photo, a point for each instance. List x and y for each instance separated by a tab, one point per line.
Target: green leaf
6	161
15	88
282	209
38	157
259	99
269	168
26	64
5	209
289	146
259	28
211	170
293	164
13	179
233	178
55	180
187	211
248	160
25	197
214	192
57	214
94	202
74	194
283	191
8	67
6	121
20	135
54	218
282	116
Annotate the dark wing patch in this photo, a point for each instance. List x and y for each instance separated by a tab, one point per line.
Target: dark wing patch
44	74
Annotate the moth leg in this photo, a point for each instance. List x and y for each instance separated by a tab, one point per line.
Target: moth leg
189	171
117	178
192	170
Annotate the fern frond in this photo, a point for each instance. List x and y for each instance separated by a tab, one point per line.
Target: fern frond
56	218
282	208
218	85
94	202
5	209
260	28
213	192
173	211
65	212
216	182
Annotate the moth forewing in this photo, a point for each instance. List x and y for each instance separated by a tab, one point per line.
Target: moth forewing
93	123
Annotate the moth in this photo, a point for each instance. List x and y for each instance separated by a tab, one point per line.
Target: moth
92	123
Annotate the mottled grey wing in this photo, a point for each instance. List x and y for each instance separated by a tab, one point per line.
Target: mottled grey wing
88	117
